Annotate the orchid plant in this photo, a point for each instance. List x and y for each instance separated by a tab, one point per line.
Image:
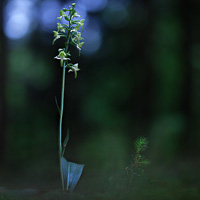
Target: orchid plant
69	30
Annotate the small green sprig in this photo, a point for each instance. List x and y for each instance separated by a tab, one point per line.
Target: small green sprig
69	31
138	161
140	146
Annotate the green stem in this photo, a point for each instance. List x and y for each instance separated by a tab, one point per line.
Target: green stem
61	115
60	126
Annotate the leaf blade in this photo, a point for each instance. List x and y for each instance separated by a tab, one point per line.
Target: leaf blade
65	142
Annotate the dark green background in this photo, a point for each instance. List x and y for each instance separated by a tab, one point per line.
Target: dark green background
143	81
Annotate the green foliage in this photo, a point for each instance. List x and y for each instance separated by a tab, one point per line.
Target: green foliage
141	145
138	161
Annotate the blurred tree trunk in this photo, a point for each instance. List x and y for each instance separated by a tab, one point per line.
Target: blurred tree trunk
2	85
143	60
190	14
169	80
187	44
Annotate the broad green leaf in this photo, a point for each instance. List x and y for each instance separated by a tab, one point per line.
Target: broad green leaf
71	173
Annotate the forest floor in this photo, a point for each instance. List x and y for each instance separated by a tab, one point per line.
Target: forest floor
177	181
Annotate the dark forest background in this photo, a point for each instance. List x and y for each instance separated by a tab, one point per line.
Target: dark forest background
143	79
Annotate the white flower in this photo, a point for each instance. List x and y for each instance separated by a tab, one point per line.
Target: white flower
74	69
62	56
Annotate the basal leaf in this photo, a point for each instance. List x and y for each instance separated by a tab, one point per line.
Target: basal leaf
71	173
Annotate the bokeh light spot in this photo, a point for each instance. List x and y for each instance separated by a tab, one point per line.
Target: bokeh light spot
94	5
18	17
17	26
49	13
116	15
92	37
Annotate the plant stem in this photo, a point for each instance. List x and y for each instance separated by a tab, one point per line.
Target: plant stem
61	115
60	126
